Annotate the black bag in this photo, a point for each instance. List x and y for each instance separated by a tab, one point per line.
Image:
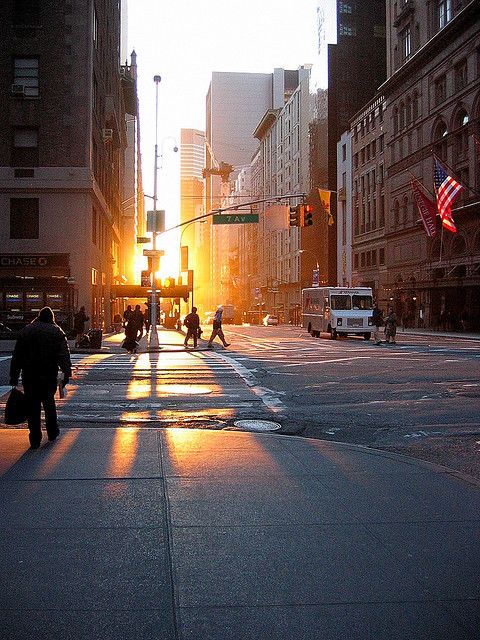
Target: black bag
16	407
84	342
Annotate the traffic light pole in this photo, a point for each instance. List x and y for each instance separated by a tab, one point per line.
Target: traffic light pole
153	341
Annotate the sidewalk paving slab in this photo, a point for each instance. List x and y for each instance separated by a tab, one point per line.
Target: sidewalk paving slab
142	534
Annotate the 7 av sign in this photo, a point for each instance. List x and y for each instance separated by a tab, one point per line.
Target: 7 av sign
234	218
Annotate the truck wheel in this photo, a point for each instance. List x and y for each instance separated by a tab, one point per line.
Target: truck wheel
367	335
334	334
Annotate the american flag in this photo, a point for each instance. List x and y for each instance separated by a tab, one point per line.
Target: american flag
446	189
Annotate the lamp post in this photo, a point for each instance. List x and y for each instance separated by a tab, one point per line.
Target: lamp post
153	304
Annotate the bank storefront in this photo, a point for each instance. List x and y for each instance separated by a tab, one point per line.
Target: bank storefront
29	282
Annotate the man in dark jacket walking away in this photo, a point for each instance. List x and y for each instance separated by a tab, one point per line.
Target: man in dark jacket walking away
192	322
41	350
139	320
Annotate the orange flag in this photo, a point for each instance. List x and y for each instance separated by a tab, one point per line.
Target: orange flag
325	202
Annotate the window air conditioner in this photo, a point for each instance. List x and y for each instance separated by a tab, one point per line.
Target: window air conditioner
107	135
18	90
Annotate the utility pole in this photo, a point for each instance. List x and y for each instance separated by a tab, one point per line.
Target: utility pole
155	262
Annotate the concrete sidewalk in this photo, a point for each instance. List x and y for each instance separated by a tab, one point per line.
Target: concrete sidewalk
149	534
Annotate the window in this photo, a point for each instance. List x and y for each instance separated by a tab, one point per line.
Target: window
24	147
344	152
345	7
461	76
381	212
440	89
362	259
440	137
95	27
347	30
24	218
444	12
374	258
25	73
381	256
461	138
381	142
406	43
94	225
26	13
355	261
396	213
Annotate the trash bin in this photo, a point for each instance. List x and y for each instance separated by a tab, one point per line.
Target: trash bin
95	336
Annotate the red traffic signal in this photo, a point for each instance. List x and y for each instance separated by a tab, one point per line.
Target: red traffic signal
306	215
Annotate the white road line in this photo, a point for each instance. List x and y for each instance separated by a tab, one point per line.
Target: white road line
303	363
267	396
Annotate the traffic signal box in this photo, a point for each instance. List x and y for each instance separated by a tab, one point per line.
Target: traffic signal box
301	215
295	216
306	215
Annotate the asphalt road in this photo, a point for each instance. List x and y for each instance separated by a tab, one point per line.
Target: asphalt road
419	397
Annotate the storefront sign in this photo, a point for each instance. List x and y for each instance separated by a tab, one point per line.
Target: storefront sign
12	260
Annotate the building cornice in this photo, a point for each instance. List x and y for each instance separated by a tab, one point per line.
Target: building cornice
266	123
457	26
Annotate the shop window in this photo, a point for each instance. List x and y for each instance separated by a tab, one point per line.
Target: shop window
24	218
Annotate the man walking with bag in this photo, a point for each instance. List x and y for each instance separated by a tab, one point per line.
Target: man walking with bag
40	351
192	322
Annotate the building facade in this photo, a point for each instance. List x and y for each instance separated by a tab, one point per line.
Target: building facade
64	98
433	109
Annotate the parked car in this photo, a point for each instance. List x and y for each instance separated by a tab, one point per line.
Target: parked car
6	333
270	320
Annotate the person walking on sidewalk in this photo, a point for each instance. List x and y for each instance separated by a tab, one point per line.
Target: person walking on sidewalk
217	329
192	322
391	326
139	320
40	351
79	325
377	321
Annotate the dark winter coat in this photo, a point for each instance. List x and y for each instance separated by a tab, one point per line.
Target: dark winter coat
192	322
377	317
40	351
79	321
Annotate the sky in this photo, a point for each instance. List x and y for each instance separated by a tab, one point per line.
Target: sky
184	41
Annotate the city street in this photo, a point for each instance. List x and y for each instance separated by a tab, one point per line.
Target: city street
419	397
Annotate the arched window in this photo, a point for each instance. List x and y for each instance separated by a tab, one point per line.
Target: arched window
395	120
440	133
405	209
438	250
396	213
461	136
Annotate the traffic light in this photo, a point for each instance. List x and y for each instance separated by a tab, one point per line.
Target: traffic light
306	215
295	216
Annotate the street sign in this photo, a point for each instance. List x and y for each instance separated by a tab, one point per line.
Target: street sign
153	252
143	240
234	218
156	221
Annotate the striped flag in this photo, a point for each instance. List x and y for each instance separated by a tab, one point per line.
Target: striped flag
446	189
426	208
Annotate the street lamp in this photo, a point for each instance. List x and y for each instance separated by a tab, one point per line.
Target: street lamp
153	305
